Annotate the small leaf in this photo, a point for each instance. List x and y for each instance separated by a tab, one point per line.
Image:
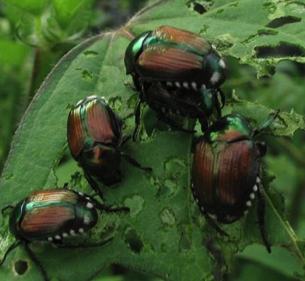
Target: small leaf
31	6
69	12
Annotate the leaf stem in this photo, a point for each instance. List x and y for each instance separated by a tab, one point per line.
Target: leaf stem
292	235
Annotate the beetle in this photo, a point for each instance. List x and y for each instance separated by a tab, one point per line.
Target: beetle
94	134
52	215
171	104
226	172
176	59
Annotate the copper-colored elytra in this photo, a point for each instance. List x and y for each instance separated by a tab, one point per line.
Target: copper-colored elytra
76	136
50	196
169	60
180	36
234	174
202	171
99	123
46	219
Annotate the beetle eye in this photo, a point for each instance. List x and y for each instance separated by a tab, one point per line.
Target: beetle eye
262	148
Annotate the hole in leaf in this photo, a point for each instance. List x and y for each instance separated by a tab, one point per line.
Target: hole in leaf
282	50
197	7
20	267
90	53
278	22
267	32
133	240
118	269
87	75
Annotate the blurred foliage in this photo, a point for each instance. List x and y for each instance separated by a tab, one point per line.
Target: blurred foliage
34	34
264	47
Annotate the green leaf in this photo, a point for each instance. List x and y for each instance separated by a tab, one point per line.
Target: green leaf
281	260
31	6
284	124
66	11
164	233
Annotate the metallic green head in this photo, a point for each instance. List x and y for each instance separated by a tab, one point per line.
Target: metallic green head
133	50
231	127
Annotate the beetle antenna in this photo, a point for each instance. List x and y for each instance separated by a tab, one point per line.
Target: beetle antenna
36	261
12	247
135	162
267	123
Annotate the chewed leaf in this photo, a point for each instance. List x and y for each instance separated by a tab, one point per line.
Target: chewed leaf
284	124
164	234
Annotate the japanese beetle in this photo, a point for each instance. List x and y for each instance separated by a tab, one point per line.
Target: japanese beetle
226	172
176	57
52	215
172	104
184	64
94	134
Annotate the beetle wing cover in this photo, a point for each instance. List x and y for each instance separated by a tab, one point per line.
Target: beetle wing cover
92	121
167	63
224	176
237	167
183	37
75	133
102	124
47	211
202	173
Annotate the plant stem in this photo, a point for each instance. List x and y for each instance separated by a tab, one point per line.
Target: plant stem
292	235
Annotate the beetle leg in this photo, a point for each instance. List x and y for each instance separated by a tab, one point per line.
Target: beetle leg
134	162
218	256
6	208
212	223
217	105
12	247
137	119
262	148
90	245
36	261
125	139
222	98
109	209
204	124
261	220
171	123
93	184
